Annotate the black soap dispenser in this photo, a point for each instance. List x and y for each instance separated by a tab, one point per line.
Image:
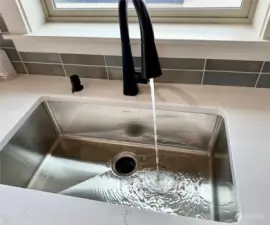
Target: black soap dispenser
75	83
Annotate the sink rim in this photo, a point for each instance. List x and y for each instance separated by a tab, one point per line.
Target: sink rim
169	107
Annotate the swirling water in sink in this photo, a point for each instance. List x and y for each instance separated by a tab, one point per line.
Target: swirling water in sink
173	193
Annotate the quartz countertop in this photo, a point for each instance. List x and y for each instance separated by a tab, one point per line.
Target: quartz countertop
247	116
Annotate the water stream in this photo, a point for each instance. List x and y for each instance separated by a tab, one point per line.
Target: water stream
152	87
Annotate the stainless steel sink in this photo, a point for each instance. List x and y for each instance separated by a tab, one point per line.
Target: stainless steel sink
106	153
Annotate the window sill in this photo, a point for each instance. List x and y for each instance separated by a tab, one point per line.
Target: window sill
173	40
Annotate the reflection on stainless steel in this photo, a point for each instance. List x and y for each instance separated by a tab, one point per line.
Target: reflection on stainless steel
195	178
187	130
25	151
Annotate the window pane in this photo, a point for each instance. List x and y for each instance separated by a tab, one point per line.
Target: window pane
76	4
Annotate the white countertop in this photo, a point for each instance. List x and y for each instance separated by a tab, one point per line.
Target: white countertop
247	116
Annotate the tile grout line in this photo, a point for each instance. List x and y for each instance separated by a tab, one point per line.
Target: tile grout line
24	66
260	73
105	62
265	72
60	63
119	67
167	69
227	71
204	67
63	65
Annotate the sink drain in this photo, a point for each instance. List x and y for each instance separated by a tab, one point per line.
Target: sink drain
125	164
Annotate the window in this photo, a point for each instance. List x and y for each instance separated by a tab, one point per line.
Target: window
164	10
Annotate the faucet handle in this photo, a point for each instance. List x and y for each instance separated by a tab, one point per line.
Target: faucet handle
140	79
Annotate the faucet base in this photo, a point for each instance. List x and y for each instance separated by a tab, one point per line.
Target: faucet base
131	91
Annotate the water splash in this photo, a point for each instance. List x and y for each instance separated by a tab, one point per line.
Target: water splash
152	87
174	193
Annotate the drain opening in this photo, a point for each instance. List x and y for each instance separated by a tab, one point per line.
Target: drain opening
125	164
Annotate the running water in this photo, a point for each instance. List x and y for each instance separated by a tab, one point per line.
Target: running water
152	87
175	192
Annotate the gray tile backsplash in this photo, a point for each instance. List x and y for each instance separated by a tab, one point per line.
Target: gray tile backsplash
7	44
264	81
183	64
186	71
45	69
113	60
116	61
97	60
266	67
40	57
166	63
19	67
185	77
168	76
234	65
12	54
230	79
115	73
87	71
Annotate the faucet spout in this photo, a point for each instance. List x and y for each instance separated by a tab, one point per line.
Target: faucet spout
150	67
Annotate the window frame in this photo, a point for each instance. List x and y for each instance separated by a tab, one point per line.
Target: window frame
210	15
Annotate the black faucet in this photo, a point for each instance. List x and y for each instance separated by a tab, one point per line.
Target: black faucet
150	63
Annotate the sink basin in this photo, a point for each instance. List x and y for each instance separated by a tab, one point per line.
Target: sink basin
106	153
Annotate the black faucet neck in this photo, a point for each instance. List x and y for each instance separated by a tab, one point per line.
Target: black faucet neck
130	85
150	62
